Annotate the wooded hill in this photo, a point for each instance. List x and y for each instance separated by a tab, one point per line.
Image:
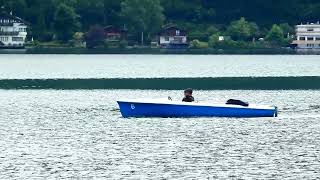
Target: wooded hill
60	19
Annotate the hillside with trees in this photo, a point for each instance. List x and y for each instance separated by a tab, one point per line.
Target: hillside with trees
205	20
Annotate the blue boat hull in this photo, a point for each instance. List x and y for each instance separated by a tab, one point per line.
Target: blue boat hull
137	109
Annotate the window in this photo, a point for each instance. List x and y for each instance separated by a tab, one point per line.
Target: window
310	45
178	39
302	38
17	39
310	29
317	38
177	32
4	39
166	38
22	29
310	38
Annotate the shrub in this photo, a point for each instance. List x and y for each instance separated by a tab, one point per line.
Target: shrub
214	40
198	44
95	37
123	44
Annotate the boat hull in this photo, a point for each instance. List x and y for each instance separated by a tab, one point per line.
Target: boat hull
167	110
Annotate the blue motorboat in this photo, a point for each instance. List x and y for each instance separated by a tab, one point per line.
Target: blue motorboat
171	109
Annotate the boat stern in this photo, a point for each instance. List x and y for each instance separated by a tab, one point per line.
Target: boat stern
276	111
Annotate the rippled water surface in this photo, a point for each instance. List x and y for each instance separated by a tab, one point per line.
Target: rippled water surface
80	134
142	66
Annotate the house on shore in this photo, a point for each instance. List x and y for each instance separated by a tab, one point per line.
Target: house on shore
173	37
115	34
13	31
307	37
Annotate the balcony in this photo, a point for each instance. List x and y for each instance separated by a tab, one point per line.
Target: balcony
6	24
305	42
15	33
178	40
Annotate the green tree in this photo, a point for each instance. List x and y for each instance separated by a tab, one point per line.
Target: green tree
40	16
92	12
193	10
287	29
39	28
147	16
275	35
214	40
254	29
112	12
242	29
227	43
17	7
65	22
200	32
212	30
144	16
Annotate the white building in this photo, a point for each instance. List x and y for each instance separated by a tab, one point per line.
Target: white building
173	37
307	36
13	31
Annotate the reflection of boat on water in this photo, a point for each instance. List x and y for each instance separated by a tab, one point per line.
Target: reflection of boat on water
167	108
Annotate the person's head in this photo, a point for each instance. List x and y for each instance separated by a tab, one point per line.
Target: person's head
188	92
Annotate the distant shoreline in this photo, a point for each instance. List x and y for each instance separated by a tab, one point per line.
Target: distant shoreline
155	51
159	51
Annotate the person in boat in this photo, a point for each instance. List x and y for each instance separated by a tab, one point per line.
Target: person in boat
188	96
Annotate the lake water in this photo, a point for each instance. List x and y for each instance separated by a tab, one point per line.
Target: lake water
79	134
151	66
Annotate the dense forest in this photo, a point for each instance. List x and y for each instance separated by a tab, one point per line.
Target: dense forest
203	19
